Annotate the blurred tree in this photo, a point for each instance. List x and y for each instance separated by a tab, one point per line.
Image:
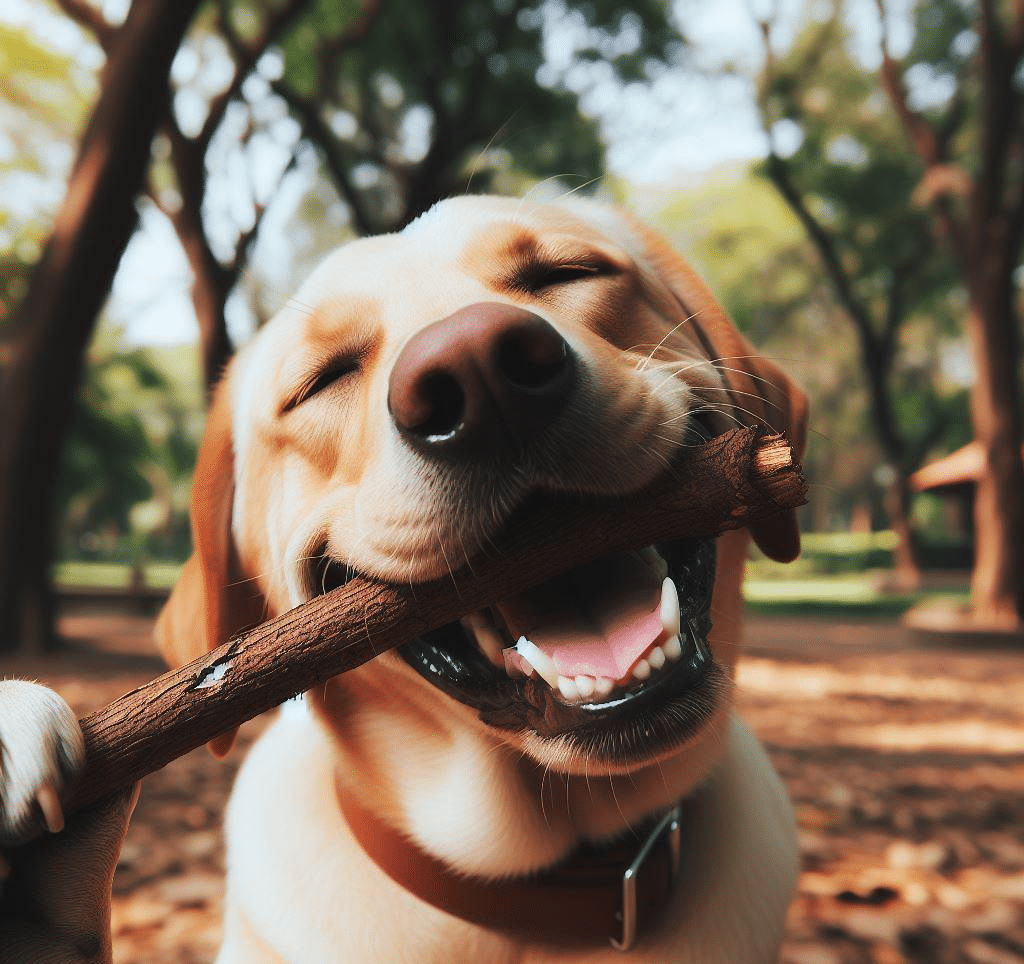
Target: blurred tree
440	96
406	103
65	292
969	144
103	463
837	157
131	446
179	177
754	251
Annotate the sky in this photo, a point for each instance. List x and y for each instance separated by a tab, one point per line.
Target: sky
683	126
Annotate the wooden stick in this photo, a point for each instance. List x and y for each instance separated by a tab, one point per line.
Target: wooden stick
741	477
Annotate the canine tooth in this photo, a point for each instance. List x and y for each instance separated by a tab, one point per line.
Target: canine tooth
673	647
656	657
654	559
642	670
603	685
586	686
670	615
540	661
568	688
487	638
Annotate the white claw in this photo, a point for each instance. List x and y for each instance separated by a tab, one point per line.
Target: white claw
642	670
670	616
585	684
568	688
673	647
540	661
656	657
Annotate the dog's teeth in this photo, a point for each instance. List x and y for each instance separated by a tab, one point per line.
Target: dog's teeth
642	670
487	638
656	657
568	688
586	685
653	558
603	686
540	661
670	616
673	647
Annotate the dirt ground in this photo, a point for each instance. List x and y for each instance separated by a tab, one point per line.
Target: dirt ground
905	759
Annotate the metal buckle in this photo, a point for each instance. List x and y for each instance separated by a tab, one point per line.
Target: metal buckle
668	828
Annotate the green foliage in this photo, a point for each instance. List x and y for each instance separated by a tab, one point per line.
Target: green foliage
443	95
844	152
43	95
123	484
38	88
854	161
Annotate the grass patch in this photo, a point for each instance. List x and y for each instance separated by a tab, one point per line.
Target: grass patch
837	597
113	575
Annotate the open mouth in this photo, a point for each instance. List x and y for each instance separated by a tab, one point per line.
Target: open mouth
612	654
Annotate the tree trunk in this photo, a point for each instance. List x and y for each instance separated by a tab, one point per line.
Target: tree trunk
997	583
209	298
66	292
211	285
877	364
907	568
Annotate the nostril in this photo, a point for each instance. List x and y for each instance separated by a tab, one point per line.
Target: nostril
441	409
532	356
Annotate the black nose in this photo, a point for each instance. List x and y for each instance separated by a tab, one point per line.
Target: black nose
487	373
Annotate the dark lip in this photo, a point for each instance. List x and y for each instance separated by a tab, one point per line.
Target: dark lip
638	724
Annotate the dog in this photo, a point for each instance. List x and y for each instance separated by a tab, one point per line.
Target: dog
560	776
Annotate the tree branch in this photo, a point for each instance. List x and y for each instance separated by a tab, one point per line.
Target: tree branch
316	130
876	350
334	48
929	146
824	245
998	110
86	15
248	236
734	480
246	57
1016	44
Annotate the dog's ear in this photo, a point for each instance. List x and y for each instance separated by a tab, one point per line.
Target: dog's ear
212	601
761	393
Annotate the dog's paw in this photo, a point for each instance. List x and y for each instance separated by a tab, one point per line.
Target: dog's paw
41	753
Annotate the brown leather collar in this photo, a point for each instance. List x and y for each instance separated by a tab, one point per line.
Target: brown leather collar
598	894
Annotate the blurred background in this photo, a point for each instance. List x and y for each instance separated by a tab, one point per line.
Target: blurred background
847	174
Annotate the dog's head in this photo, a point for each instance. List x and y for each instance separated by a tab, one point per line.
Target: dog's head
413	393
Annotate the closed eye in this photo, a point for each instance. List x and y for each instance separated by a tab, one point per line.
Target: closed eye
537	278
338	370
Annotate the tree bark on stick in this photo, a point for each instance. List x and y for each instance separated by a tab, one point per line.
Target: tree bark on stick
742	477
66	292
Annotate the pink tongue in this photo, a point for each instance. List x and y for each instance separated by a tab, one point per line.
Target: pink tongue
597	620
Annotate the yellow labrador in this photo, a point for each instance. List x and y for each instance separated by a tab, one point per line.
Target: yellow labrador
559	776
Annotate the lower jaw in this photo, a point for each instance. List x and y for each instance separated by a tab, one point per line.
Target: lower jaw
631	726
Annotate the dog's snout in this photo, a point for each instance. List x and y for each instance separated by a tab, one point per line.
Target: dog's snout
487	373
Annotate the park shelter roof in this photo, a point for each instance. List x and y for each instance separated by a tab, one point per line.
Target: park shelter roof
958	469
